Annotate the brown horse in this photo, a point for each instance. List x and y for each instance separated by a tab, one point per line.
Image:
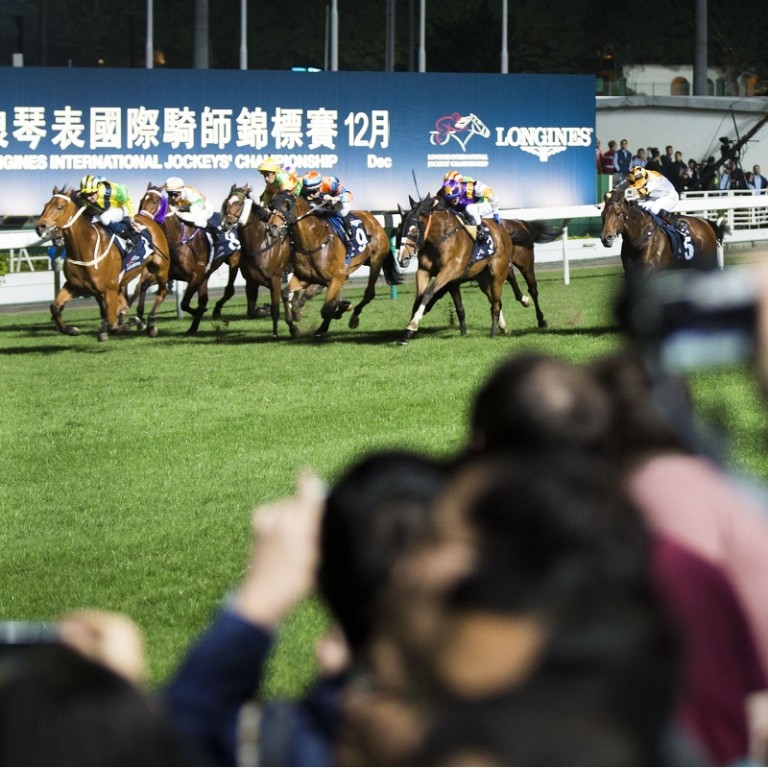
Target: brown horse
645	246
444	248
262	260
190	251
318	257
94	264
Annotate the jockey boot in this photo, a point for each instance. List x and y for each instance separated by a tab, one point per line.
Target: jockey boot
347	229
679	224
482	235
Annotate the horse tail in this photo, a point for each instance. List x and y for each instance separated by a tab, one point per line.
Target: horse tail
526	233
720	228
389	268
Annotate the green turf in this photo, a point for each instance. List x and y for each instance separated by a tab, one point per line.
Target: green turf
130	468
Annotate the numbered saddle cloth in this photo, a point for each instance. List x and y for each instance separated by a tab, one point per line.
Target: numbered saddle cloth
682	246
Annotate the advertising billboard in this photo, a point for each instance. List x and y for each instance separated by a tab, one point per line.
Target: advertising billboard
385	135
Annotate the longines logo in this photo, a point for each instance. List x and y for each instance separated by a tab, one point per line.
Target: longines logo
543	142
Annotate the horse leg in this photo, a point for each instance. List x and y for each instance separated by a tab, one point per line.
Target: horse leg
252	294
274	308
458	304
330	305
110	305
160	276
424	299
368	296
491	287
65	294
229	292
287	293
202	303
525	265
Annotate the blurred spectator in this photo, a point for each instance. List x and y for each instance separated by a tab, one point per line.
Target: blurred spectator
639	159
622	161
608	157
678	172
654	162
666	162
59	708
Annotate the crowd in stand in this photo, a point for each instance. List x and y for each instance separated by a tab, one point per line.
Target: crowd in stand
584	583
686	176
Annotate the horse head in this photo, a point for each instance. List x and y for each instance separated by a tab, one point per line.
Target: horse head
614	216
154	203
57	213
236	207
412	231
283	214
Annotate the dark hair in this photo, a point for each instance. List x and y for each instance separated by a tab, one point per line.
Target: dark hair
535	401
59	708
378	509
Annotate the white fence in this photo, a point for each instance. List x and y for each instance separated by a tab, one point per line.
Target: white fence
745	212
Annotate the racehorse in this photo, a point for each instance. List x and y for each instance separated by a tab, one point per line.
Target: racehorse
262	260
444	249
318	257
190	251
94	264
645	246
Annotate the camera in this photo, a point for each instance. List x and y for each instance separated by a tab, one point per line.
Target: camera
16	636
691	320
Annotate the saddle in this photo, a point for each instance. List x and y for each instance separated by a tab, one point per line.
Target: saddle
359	239
682	247
480	250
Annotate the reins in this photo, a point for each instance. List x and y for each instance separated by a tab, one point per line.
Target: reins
97	258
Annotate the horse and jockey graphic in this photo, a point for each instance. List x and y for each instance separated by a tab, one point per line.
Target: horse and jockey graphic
458	127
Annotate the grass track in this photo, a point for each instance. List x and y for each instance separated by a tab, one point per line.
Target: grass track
130	468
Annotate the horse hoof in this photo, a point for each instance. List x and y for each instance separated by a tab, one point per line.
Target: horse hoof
354	321
526	301
102	336
73	331
407	336
216	315
543	324
152	331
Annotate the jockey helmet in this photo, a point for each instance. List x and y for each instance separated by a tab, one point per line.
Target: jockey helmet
174	184
312	182
451	189
452	176
637	176
89	185
269	165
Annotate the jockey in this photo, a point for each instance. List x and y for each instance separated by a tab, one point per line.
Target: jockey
329	190
473	197
277	179
116	210
192	207
657	195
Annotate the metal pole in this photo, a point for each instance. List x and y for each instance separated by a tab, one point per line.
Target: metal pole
326	52
504	48
700	50
334	36
422	36
149	49
389	59
201	34
243	34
